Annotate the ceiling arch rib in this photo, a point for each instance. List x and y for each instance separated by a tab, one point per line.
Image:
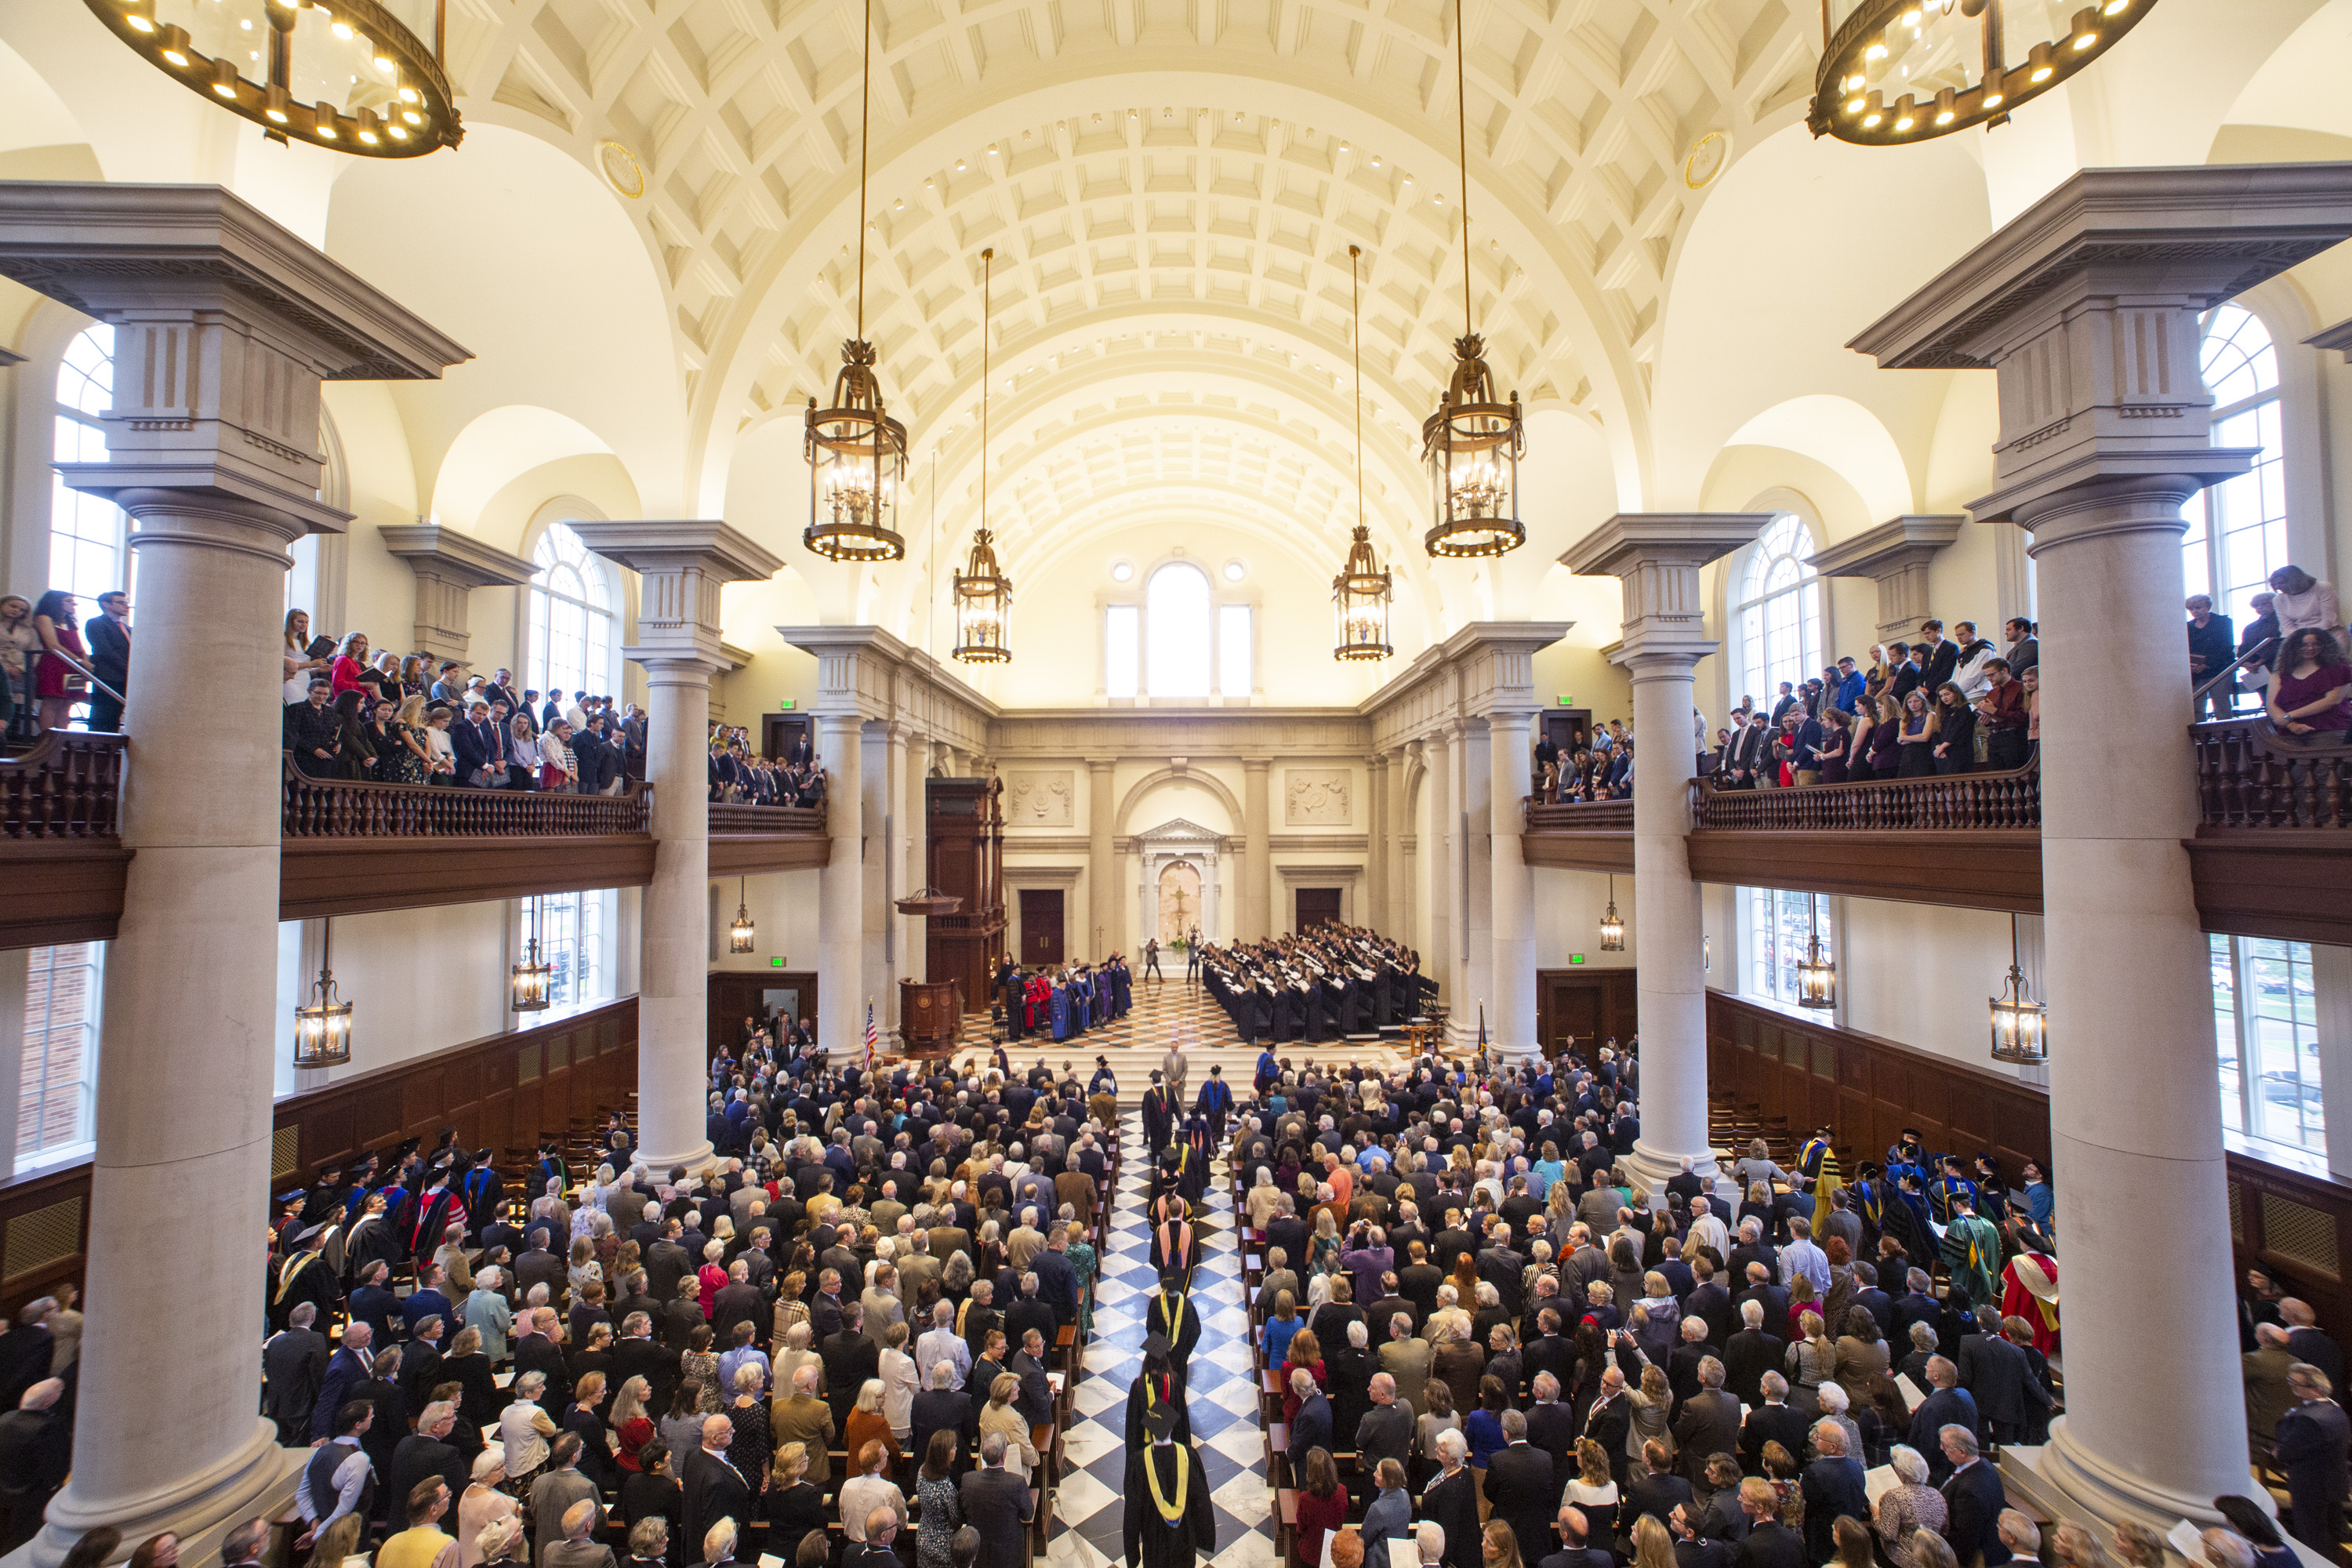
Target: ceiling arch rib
742	115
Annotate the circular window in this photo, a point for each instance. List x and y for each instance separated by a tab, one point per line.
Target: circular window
1122	571
1236	571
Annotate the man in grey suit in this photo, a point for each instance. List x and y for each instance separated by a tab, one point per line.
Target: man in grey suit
575	1550
294	1366
1386	1430
558	1489
1708	1423
999	1505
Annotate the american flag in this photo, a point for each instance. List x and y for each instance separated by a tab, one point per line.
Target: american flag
872	1035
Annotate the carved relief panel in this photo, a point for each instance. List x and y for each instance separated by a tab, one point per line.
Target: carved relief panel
1315	798
1039	799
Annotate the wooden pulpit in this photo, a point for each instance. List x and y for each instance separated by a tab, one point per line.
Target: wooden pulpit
931	1016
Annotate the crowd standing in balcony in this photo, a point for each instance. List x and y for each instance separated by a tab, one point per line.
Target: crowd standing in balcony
741	774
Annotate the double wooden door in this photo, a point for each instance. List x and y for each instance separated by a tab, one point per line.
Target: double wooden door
1316	906
1041	927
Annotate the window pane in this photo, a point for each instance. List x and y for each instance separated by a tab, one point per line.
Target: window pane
1120	622
570	618
1780	616
61	1047
1236	658
1177	662
2225	1034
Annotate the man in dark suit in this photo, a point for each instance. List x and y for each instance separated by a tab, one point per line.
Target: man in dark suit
998	1505
1574	1551
1551	1424
1610	1417
850	1358
293	1367
1752	1354
1998	1376
1831	1486
940	1408
427	1453
1916	1305
639	1354
1499	1265
349	1371
1311	1428
1658	1491
1949	1405
1973	1499
1036	1398
2306	1341
1773	1298
1520	1489
714	1489
1768	1543
1710	1304
109	659
2309	1446
535	1350
1707	1424
1771	1420
1385	1429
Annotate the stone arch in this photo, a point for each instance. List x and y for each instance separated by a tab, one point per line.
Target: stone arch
1122	823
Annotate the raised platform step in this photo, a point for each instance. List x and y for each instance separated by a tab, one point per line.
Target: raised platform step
1133	1065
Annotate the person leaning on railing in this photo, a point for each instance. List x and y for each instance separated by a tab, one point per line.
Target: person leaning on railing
2307	698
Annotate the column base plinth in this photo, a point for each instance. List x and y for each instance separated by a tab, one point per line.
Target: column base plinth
254	1482
2068	1478
1651	1165
696	1160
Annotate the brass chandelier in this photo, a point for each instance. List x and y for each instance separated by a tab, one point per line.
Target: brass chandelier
856	452
2021	1026
1816	975
323	1026
529	978
1919	52
742	934
350	76
1613	925
984	596
1360	593
1472	444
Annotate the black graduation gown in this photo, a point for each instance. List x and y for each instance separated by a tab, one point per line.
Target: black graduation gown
1159	1117
1140	1401
1182	1334
310	1281
1151	1541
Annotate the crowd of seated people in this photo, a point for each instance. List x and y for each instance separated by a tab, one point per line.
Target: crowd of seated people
858	1305
352	712
1478	1328
742	774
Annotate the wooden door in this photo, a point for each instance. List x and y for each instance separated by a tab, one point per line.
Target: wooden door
1318	906
1041	927
778	731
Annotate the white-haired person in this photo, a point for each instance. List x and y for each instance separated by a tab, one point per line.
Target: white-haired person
525	1429
483	1504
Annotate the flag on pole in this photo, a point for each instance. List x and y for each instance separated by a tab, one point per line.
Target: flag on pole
872	1033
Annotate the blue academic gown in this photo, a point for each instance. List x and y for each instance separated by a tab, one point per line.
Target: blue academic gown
1061	1007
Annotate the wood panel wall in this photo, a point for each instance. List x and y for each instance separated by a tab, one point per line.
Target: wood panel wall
504	1091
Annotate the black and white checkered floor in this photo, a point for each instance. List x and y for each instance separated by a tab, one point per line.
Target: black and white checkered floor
1089	1512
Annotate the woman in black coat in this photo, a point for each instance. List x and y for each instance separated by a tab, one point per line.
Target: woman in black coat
794	1508
651	1491
479	1400
1452	1503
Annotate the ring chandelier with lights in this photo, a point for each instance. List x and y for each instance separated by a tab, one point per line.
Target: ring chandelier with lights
351	76
1897	71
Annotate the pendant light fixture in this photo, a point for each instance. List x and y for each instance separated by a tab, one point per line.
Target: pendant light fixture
322	1028
984	595
740	931
2020	1024
1816	975
371	86
1360	593
1472	444
856	452
1612	928
528	983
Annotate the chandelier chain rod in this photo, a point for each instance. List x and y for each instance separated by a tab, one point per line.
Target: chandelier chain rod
987	312
1462	143
865	141
1356	349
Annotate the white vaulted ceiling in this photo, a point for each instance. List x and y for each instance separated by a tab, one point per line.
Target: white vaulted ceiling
1171	187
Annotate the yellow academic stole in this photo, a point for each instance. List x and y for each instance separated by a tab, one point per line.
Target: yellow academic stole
1171	1512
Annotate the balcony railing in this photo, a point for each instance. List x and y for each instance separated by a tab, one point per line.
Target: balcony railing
68	786
733	817
1581	815
2249	776
346	808
1947	801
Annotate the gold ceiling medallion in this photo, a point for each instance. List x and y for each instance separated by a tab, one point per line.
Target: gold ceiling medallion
856	452
622	170
352	76
984	596
1472	444
1708	156
1920	50
1360	593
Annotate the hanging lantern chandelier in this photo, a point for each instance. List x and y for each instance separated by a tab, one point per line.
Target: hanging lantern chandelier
984	596
2020	1024
856	452
322	1028
1472	444
1918	50
529	983
1360	593
740	931
1612	927
1816	975
349	75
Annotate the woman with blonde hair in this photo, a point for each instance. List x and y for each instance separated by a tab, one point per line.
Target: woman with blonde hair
1653	1405
339	1541
1812	1361
631	1422
524	1429
1499	1547
1594	1490
1652	1547
998	1415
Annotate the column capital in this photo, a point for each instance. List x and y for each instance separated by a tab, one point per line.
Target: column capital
225	323
1656	556
1101	764
449	567
2086	304
681	566
1252	764
1895	555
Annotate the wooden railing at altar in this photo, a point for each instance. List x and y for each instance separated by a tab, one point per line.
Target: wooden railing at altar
348	808
1947	801
2249	776
731	817
68	786
1581	815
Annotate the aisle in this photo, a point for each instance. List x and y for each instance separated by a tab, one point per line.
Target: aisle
1089	1510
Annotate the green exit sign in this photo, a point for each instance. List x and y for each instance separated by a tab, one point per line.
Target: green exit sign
786	704
779	964
1565	701
1576	958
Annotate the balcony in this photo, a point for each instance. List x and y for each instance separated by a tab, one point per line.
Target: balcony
347	846
2270	855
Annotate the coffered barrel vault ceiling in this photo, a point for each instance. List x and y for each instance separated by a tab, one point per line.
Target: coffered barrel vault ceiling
1171	187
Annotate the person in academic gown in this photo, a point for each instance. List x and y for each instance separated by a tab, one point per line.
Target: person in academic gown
1159	1116
1060	1005
305	1277
1175	1241
1173	1316
1159	1387
1008	983
1169	1522
1216	1103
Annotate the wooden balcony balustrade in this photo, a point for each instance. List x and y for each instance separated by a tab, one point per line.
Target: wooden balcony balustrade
1585	835
68	786
1944	803
61	837
2273	843
350	808
746	839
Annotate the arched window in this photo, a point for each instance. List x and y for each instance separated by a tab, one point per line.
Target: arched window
1780	612
1176	621
2237	530
87	557
570	618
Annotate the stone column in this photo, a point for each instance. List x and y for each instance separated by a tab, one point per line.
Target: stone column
225	325
681	566
886	951
1511	1015
1474	911
915	857
1375	913
841	890
1257	921
1102	866
2087	306
1656	557
1438	961
1398	828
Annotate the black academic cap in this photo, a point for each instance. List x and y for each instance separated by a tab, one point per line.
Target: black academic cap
310	1233
406	1147
1174	1278
1157	1343
1160	1423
